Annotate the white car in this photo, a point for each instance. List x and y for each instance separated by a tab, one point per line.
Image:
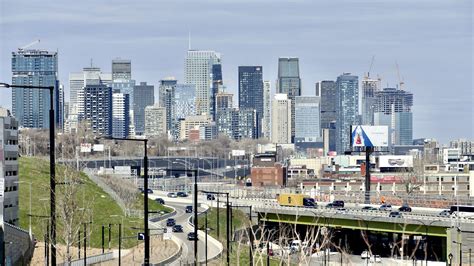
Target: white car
375	259
365	255
341	210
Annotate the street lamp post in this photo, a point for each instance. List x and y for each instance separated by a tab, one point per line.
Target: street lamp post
250	230
146	260
460	251
52	165
30	183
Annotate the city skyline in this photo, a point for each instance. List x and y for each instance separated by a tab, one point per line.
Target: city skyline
424	38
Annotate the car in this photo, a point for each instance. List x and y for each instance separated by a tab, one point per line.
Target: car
192	236
177	228
405	208
149	191
385	207
188	209
210	197
336	204
172	195
341	210
365	255
182	194
369	208
445	213
170	222
375	259
160	200
395	215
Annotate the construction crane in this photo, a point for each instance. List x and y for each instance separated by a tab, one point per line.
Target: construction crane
370	68
29	45
400	80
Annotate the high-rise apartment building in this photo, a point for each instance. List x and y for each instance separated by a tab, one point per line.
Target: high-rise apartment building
121	69
237	123
184	101
9	199
60	108
39	68
267	107
393	109
251	91
224	100
155	121
98	109
347	110
369	88
120	114
166	98
289	82
143	96
217	85
307	119
77	82
192	122
281	119
465	146
198	71
326	90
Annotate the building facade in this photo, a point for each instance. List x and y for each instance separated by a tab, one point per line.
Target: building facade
121	69
198	71
143	96
120	114
289	82
251	91
217	85
237	123
166	98
369	89
98	109
155	121
267	109
307	119
38	68
9	198
192	122
347	98
281	119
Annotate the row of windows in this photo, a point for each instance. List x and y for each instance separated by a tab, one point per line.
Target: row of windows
12	142
11	188
11	173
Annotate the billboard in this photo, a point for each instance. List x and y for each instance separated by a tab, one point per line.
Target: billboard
369	136
238	153
86	147
98	147
395	161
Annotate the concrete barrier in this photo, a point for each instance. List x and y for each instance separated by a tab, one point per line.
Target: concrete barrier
175	256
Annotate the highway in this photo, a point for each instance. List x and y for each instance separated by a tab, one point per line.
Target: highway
182	218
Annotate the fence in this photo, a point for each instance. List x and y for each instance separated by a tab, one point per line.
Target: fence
90	260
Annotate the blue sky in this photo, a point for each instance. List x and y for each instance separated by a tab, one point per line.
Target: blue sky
432	41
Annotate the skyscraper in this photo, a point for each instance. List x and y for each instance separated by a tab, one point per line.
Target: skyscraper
224	100
237	123
77	82
217	84
98	109
198	71
39	68
166	98
120	114
369	88
267	107
60	108
121	69
155	121
393	109
307	119
347	98
143	96
281	119
289	82
326	89
251	91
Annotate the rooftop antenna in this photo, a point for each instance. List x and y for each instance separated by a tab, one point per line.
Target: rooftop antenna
189	40
92	62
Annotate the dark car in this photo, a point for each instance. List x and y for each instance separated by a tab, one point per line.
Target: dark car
177	228
170	222
150	191
189	209
192	236
405	208
369	208
182	194
336	204
395	215
160	200
210	197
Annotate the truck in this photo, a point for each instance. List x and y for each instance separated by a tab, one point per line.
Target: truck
296	200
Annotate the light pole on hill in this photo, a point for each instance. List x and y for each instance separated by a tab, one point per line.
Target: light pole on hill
52	166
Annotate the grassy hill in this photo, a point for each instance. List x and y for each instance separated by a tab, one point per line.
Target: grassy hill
101	208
